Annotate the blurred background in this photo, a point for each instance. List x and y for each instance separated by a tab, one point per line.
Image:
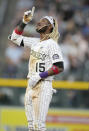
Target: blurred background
73	21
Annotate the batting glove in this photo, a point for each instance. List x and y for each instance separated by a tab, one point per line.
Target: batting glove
34	80
28	15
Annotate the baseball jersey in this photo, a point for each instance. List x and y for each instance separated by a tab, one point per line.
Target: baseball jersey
43	54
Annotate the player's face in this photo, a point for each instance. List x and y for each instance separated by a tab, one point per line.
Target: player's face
42	25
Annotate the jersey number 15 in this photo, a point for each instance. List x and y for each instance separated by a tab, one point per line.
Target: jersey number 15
40	67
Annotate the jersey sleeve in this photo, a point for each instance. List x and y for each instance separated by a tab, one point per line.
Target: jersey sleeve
55	52
22	40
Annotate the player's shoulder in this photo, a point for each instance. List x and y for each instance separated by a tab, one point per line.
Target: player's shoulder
52	43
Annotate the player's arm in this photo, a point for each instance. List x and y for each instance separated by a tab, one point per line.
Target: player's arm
17	37
57	68
28	15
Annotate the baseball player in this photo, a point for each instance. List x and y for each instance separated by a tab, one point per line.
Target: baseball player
45	62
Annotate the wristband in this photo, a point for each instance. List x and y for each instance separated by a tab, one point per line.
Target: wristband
18	32
55	69
44	74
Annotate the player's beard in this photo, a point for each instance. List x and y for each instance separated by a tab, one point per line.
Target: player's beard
42	29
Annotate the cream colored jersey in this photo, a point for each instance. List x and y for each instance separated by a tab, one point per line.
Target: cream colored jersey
43	54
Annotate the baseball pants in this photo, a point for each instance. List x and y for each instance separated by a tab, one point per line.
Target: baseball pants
37	102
